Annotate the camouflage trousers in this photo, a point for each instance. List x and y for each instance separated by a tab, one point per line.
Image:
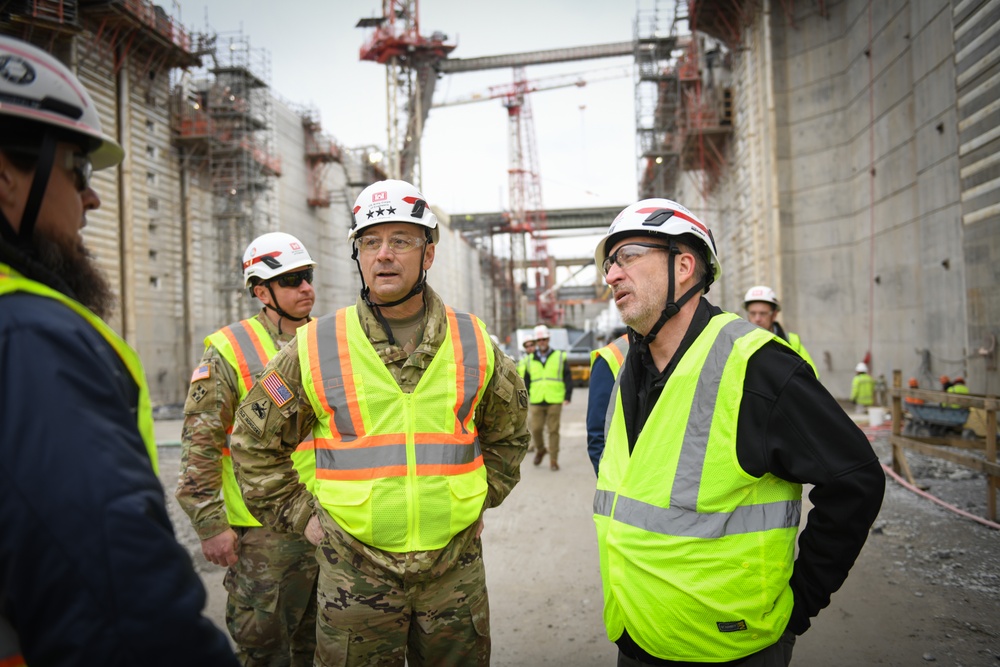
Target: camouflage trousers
379	608
271	610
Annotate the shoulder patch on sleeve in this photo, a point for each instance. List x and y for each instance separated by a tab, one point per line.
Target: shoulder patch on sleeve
203	372
203	394
276	388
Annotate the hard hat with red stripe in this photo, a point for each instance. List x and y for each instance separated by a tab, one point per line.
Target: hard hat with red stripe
272	254
660	218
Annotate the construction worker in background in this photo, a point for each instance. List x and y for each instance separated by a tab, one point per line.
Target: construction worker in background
957	387
913	384
716	424
522	364
862	388
550	386
761	304
604	366
419	426
90	570
271	577
945	382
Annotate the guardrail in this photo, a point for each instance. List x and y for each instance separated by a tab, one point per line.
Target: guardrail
976	452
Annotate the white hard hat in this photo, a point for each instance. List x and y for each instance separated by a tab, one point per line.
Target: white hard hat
392	201
541	331
659	217
862	367
272	254
37	88
761	293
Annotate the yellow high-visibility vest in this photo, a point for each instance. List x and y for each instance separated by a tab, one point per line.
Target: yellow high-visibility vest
547	384
695	553
613	353
400	472
247	347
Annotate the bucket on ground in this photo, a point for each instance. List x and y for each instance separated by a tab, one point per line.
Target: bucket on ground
876	416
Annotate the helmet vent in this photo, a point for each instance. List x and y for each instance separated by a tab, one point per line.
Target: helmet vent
658	217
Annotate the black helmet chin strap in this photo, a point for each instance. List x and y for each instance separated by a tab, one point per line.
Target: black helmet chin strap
417	288
43	170
278	309
672	306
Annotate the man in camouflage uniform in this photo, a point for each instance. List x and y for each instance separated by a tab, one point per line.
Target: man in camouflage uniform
403	472
271	577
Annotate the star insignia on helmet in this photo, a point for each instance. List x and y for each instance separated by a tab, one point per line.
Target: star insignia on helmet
392	210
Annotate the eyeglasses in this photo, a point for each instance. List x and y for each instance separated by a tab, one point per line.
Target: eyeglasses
629	254
82	170
295	278
398	245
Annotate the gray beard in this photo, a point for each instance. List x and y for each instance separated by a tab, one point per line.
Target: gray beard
71	261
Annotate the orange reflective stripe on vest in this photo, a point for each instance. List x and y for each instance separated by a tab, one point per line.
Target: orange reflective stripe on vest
243	339
353	453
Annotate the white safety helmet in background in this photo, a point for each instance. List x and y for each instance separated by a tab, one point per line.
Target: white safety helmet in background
862	367
659	217
392	201
761	293
541	332
36	87
272	254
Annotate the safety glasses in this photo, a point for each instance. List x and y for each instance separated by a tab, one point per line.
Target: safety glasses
82	170
294	278
398	245
629	254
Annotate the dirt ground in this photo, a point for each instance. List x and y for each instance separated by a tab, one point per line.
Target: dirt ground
926	588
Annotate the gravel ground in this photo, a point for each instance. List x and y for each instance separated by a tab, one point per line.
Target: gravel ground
925	589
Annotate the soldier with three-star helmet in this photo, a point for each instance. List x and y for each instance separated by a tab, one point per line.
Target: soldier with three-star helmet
418	427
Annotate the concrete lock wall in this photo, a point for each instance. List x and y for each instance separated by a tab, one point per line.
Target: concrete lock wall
847	187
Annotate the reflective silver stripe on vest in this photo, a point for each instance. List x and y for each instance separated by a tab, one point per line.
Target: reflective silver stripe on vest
688	523
682	517
469	342
384	456
245	342
333	377
377	456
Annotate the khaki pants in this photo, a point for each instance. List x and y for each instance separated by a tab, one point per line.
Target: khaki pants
545	418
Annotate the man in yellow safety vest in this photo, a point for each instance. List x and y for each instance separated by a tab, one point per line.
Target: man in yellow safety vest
271	577
549	382
417	420
715	425
90	570
761	303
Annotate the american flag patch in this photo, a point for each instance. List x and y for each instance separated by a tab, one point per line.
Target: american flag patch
276	388
203	372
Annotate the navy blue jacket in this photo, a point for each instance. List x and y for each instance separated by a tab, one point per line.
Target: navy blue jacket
602	381
90	571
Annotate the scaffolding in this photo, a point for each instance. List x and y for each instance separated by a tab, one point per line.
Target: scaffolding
657	99
224	120
684	100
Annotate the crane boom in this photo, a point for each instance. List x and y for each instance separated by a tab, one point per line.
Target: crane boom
545	57
579	79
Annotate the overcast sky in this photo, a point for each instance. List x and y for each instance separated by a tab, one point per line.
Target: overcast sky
585	136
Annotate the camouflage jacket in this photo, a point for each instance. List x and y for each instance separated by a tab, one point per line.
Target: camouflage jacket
265	435
208	414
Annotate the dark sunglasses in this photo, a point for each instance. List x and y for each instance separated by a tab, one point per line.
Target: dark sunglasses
295	278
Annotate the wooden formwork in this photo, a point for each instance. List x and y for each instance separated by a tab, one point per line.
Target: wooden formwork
975	452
